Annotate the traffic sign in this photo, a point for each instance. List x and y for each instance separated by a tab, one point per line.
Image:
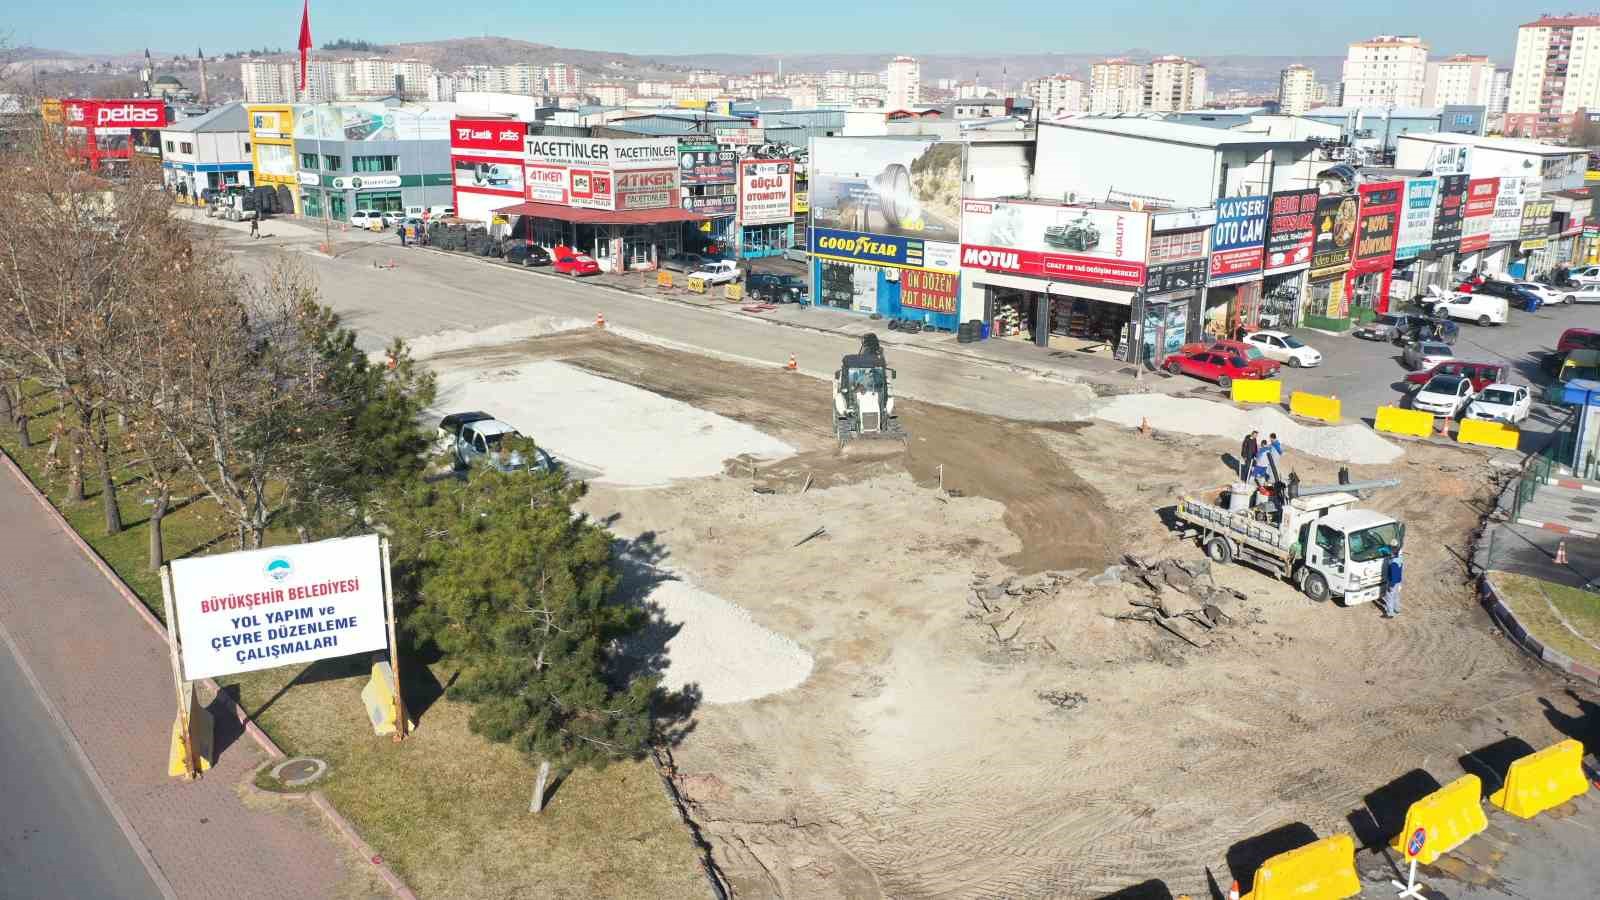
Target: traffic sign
1418	839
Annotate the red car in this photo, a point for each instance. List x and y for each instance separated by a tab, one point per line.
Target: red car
1264	367
1480	374
569	263
1219	365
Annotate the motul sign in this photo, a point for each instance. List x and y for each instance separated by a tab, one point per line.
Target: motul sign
994	260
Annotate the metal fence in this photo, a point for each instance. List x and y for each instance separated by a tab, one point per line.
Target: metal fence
1537	468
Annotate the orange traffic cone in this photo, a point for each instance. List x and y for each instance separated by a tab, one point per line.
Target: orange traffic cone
1561	553
599	320
1233	892
794	364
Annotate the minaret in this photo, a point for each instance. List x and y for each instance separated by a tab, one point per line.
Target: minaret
146	73
202	54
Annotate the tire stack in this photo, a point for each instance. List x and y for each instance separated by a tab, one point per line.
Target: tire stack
969	332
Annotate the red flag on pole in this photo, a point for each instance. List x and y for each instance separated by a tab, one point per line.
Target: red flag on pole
305	41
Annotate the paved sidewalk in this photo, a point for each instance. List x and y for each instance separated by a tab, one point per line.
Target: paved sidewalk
1565	510
110	676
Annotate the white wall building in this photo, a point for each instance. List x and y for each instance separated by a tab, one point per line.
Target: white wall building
268	82
609	93
1388	70
1499	92
1462	79
210	151
1556	73
1116	86
1055	95
903	81
1174	84
1297	87
1553	168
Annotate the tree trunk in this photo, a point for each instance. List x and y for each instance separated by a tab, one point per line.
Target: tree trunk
536	805
108	482
23	439
158	552
79	436
7	412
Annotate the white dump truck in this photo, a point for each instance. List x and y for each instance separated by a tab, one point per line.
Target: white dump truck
1313	537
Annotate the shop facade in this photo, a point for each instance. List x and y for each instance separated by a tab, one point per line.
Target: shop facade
1371	271
885	229
98	133
1175	276
1231	303
1291	228
1537	248
207	153
709	176
1571	209
486	165
372	156
273	166
1325	305
766	207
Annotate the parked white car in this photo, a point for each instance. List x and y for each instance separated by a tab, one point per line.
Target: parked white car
723	271
1585	275
1284	348
1508	403
1443	395
370	218
1480	308
1589	293
1547	295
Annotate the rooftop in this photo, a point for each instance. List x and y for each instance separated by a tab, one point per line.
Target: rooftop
222	119
1510	145
1158	130
1571	21
1374	112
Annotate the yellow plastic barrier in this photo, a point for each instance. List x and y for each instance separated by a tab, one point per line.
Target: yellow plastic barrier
1489	434
664	279
1264	391
1395	420
383	706
1447	818
733	291
199	739
1543	780
1324	870
697	285
1315	406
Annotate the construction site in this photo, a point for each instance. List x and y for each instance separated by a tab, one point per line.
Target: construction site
982	656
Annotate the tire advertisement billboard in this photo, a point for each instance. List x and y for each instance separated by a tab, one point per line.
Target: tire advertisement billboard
1416	218
1449	212
1237	238
1042	240
1291	227
497	176
890	187
766	191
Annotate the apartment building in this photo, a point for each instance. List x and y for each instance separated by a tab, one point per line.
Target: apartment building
1499	92
268	82
902	81
1055	95
1388	70
1174	84
1556	72
1296	86
1116	86
1460	80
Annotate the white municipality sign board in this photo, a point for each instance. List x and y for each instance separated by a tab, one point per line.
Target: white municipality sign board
280	606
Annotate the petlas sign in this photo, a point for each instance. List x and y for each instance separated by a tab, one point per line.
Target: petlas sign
1238	237
496	137
289	605
115	114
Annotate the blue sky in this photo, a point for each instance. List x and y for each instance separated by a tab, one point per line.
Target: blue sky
1255	27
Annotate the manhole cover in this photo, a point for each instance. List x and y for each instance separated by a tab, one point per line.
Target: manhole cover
1581	518
1586	504
299	771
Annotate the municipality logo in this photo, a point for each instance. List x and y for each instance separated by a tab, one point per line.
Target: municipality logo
279	569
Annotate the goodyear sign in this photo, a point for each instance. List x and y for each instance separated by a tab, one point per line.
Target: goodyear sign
873	249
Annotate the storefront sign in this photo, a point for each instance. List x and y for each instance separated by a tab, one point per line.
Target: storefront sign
929	290
941	256
1238	236
289	605
547	184
1479	210
857	247
713	200
1536	219
1452	160
1291	226
1336	229
583	172
741	137
1535	244
644	188
1449	212
1167	278
1178	246
489	176
146	141
494	136
1044	240
310	178
115	115
702	164
1416	218
910	188
590	188
617	155
270	124
1376	226
802	202
766	191
365	182
1505	224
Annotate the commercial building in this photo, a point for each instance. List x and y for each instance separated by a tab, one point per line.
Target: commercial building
372	156
1387	70
99	132
1173	84
207	153
1460	80
274	169
1296	86
1056	95
766	194
486	164
1116	86
902	81
1555	73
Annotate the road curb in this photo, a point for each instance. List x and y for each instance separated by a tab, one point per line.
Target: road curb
339	822
1558	528
1501	612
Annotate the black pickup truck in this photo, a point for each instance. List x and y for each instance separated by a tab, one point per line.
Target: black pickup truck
777	288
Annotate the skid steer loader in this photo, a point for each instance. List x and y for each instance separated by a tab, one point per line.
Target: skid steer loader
863	395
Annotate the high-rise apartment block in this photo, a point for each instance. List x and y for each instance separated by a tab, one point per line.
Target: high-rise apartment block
1462	79
1388	70
1556	72
1055	95
902	82
1174	84
1116	86
1297	87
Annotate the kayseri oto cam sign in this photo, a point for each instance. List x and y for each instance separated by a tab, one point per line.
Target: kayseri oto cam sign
290	605
1237	238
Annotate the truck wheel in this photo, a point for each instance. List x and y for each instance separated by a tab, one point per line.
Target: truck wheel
1224	382
1483	320
1219	551
1316	587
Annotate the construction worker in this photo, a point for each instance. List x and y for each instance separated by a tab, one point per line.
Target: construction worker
1247	455
1393	571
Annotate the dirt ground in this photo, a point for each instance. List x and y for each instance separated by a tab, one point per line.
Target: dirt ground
926	757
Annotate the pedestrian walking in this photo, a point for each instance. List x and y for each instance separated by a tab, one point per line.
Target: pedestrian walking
1247	456
255	227
402	230
1393	570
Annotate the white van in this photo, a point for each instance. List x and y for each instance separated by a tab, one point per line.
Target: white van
1481	308
441	212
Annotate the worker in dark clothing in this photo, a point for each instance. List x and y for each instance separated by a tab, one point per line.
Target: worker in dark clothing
1393	571
1247	455
255	227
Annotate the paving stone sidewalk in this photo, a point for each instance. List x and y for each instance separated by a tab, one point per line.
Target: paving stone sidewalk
110	676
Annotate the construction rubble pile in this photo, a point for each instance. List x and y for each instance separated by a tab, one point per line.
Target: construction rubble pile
1171	584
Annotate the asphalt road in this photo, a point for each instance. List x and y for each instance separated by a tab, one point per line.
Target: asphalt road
57	837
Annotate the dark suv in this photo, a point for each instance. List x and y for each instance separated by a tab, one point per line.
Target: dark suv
1521	298
776	288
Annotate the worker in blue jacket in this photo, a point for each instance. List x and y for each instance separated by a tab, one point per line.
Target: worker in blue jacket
1393	571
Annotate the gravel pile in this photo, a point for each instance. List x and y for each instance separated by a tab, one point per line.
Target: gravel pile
1345	443
462	339
716	646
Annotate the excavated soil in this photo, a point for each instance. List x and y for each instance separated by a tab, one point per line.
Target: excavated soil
924	756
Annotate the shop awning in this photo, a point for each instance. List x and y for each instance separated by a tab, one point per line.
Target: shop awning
579	216
1053	288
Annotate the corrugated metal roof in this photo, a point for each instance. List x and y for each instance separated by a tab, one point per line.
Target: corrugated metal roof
1511	145
1160	130
222	119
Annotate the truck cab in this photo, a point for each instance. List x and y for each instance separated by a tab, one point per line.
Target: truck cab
1344	555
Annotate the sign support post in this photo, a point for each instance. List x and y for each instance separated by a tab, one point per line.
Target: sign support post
186	760
402	724
1410	890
